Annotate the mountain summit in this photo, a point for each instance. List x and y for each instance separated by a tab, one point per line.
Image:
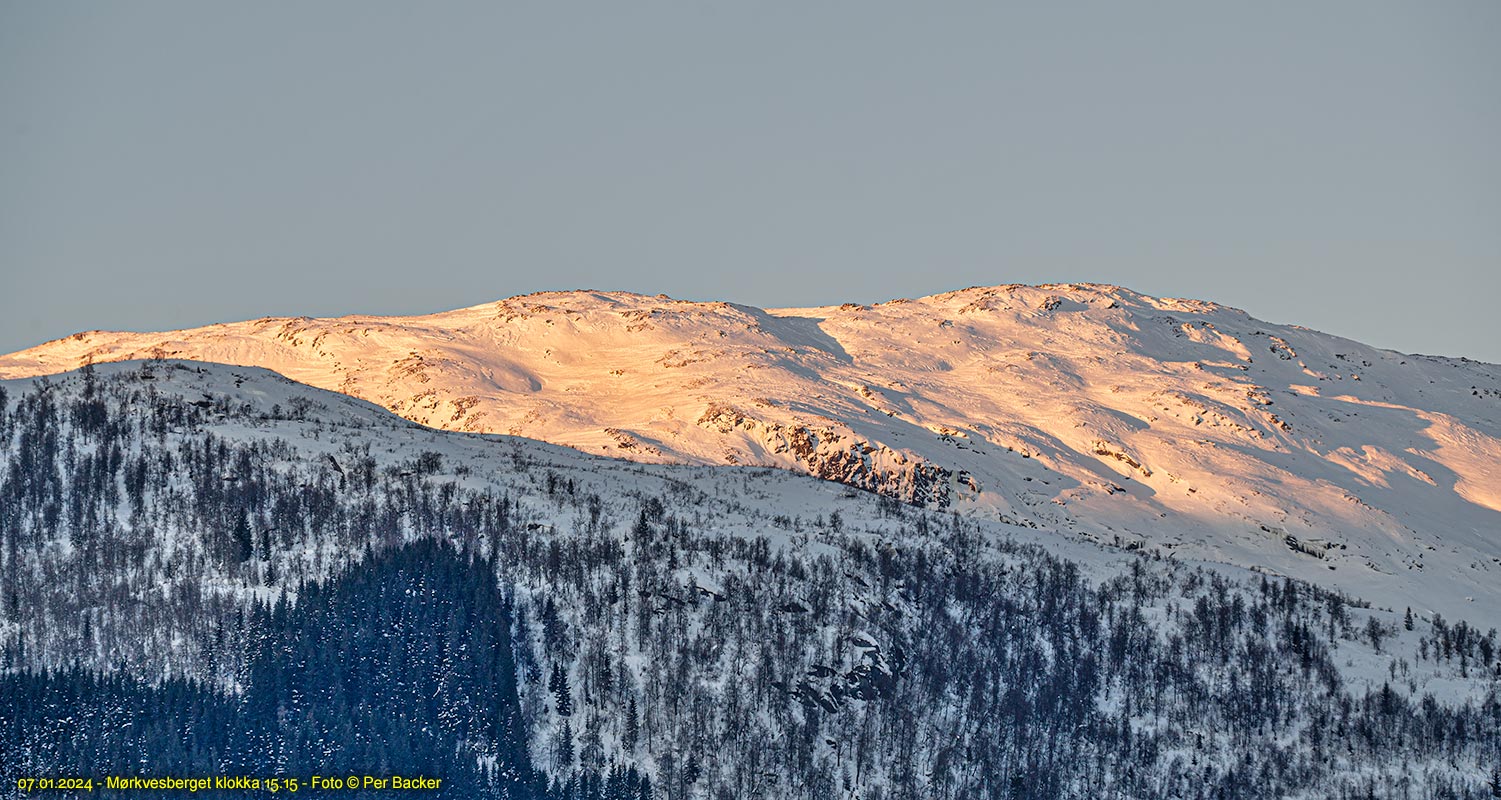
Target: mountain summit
1177	425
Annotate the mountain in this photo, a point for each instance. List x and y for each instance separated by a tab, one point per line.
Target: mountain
214	570
1177	426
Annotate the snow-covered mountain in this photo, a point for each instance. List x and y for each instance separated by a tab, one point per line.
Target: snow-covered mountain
1177	425
722	631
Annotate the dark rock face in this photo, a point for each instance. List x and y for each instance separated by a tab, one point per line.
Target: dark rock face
871	678
836	455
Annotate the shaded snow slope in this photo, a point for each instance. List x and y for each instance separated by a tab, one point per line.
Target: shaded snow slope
1172	424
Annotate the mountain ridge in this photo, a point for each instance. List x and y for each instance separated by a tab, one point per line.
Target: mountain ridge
1167	423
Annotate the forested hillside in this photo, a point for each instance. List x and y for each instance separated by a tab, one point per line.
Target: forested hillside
401	664
196	543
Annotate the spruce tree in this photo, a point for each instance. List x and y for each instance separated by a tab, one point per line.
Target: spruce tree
632	727
558	685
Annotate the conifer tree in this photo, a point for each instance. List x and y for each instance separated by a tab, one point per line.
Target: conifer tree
558	685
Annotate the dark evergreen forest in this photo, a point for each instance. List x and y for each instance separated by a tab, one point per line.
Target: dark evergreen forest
400	665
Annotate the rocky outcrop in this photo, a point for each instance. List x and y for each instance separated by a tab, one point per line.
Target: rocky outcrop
838	455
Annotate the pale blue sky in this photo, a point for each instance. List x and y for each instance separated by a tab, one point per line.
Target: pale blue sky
1331	164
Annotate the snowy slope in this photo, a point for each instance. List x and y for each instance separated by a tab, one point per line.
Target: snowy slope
1172	424
748	606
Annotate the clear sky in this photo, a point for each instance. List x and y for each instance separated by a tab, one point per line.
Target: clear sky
1333	164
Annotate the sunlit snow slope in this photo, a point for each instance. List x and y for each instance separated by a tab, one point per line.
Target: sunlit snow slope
1172	424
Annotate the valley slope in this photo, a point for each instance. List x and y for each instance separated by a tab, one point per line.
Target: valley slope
230	570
